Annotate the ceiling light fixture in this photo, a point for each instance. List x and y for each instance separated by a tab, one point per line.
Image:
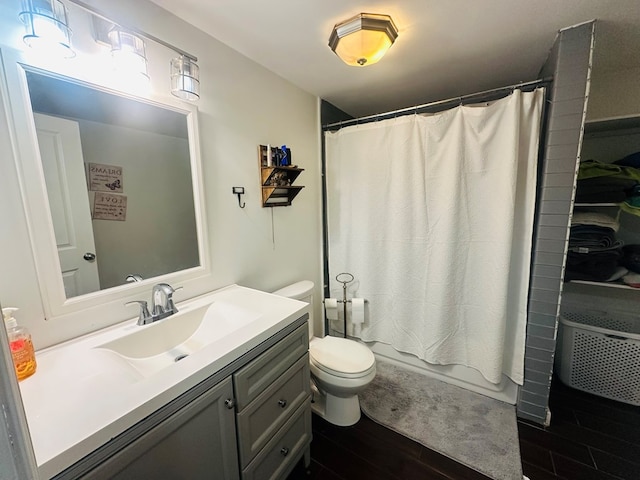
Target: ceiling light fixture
364	39
47	26
185	78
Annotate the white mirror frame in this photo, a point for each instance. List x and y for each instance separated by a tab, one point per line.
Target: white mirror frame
36	202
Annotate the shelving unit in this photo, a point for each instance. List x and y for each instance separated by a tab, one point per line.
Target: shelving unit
277	180
608	141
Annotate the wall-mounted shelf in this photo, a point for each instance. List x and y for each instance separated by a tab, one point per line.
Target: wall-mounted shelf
277	180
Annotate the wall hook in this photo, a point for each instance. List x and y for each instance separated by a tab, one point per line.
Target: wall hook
239	191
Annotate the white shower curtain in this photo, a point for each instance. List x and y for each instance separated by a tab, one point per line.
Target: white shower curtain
433	215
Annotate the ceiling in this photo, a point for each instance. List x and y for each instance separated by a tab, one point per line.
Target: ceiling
445	48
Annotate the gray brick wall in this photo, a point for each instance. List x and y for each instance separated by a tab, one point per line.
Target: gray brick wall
569	63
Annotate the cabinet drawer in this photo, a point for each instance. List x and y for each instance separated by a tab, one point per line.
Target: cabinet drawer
284	449
251	380
267	413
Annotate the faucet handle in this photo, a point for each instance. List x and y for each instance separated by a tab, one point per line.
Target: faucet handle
144	316
170	306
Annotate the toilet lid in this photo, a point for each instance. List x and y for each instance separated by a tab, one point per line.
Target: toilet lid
341	356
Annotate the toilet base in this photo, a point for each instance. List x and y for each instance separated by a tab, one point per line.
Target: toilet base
340	411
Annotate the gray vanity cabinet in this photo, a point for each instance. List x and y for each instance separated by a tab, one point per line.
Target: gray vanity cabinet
273	395
250	420
198	441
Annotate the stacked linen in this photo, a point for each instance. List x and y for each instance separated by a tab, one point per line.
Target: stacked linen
594	251
617	182
605	189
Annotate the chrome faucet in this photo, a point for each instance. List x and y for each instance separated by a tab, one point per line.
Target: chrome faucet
162	304
162	301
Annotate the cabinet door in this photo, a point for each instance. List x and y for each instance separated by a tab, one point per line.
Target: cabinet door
198	442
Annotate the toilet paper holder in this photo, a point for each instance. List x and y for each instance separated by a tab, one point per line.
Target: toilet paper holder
344	300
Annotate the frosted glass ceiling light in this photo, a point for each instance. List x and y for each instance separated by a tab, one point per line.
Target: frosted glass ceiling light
364	39
128	54
185	78
47	26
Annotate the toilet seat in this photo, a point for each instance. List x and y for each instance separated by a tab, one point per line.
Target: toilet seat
341	357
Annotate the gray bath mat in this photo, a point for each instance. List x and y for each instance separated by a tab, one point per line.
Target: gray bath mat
470	428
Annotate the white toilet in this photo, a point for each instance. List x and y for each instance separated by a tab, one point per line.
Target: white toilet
340	368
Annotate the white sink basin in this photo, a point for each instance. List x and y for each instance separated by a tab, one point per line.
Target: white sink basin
89	390
153	347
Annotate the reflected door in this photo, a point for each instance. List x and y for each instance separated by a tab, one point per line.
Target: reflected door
62	161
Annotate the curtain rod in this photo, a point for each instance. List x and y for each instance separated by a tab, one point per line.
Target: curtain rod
442	104
131	29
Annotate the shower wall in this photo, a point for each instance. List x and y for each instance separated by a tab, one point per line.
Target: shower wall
570	65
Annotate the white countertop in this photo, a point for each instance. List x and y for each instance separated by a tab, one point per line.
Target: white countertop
82	396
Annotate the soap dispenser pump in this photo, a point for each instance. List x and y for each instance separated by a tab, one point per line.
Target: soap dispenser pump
20	344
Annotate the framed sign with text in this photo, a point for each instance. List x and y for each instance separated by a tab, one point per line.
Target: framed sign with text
105	178
109	206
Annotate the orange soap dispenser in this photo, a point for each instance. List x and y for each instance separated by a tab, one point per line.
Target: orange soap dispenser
24	357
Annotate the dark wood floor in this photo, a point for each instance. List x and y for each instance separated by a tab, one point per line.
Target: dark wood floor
590	438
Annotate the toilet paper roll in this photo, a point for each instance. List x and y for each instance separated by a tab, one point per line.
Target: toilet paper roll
357	311
331	308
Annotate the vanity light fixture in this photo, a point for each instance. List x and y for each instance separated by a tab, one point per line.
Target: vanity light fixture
363	39
47	27
127	45
128	52
185	78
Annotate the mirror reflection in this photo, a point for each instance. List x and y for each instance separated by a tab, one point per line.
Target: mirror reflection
119	183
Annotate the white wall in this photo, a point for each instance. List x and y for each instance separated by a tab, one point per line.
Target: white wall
159	232
614	94
242	105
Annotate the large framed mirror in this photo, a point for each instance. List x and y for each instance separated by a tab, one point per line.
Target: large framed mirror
119	184
112	188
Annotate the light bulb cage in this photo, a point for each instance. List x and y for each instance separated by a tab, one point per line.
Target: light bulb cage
185	78
363	21
47	25
127	44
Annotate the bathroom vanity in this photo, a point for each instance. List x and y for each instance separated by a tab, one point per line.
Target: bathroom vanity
218	390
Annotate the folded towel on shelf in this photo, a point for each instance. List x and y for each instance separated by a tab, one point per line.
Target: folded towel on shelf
595	219
593	168
588	238
597	266
604	189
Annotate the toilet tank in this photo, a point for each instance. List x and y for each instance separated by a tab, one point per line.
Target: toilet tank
302	291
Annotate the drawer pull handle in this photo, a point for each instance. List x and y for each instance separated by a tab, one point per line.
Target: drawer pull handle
229	403
284	451
282	403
